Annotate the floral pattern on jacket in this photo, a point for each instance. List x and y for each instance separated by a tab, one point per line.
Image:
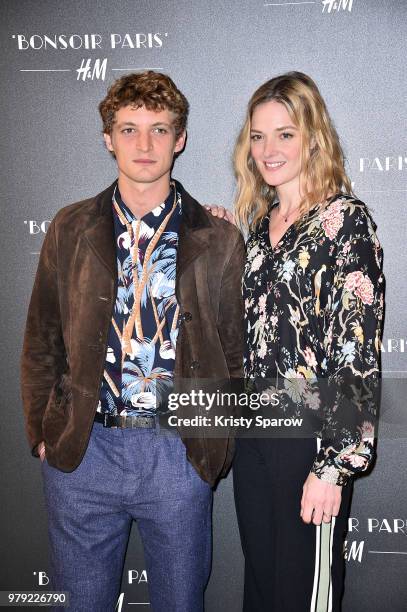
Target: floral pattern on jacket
314	314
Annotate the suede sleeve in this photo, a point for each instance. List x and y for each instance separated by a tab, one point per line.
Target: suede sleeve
43	356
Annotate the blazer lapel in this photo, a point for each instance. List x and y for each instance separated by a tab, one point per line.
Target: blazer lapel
100	235
190	245
194	234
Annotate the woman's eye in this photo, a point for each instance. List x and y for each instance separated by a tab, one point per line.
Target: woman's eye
255	137
286	135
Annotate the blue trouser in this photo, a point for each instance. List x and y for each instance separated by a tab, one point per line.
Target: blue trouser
129	474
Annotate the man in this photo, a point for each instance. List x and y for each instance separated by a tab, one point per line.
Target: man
136	289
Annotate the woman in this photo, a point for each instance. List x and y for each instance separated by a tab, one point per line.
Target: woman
313	291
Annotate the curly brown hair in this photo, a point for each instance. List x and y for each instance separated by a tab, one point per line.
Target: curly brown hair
153	90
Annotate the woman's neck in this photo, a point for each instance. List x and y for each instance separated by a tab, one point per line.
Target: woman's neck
289	200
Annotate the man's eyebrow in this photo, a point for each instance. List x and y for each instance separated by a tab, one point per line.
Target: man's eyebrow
162	123
132	124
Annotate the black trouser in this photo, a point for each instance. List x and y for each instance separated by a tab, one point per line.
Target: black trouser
289	565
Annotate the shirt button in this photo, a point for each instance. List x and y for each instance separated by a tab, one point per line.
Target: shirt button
194	365
187	316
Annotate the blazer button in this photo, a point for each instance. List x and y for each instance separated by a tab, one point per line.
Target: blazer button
194	365
187	316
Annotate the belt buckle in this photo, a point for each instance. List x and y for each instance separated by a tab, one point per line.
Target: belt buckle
138	421
105	419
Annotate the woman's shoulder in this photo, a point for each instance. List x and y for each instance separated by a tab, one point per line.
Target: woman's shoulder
348	214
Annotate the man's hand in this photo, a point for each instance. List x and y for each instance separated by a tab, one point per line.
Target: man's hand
320	500
41	450
221	212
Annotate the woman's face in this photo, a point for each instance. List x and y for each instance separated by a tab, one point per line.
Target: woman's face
276	145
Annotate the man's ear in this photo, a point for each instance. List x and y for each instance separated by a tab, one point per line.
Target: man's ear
180	142
108	142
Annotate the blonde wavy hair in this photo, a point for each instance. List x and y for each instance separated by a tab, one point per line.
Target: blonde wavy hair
322	164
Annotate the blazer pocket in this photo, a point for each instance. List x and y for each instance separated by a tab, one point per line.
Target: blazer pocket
58	411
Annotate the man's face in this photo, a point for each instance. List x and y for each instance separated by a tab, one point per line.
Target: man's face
144	143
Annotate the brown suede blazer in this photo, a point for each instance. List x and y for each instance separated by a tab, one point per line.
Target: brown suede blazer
70	313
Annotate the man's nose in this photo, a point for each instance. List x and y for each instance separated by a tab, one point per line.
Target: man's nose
144	141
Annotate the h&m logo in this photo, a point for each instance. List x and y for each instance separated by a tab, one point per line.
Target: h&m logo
354	552
87	72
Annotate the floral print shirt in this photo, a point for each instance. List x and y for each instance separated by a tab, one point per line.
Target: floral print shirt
140	354
314	313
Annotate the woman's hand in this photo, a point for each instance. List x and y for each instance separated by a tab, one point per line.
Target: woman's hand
320	500
221	212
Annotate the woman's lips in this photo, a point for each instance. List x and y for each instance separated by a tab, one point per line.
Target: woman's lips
274	165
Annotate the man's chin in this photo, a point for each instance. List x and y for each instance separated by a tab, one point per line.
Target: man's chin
147	176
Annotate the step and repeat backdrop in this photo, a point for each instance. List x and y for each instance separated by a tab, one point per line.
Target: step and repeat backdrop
58	58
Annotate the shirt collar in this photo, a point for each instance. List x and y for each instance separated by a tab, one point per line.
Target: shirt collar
153	218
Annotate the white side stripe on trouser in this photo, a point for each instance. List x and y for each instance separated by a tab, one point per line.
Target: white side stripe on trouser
316	572
321	600
330	565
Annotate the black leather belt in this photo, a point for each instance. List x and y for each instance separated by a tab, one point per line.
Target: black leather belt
122	422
